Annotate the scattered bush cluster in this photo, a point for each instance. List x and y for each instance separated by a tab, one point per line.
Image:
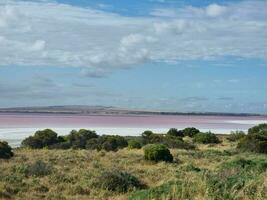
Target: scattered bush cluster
5	150
157	152
255	140
169	140
82	139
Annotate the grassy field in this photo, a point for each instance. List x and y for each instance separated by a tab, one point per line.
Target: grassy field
210	172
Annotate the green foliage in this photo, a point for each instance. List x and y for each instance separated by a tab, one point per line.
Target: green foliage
118	181
41	139
169	140
255	141
236	136
164	191
176	143
61	145
234	177
157	152
206	138
134	144
78	139
190	131
107	143
257	129
5	150
38	168
174	132
147	134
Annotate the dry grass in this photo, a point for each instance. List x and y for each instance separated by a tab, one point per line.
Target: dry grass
74	172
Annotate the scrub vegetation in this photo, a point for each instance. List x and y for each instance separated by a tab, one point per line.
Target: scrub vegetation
171	166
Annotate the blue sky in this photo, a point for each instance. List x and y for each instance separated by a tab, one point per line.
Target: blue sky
152	54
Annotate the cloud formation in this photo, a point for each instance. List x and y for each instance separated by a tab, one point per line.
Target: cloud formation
45	33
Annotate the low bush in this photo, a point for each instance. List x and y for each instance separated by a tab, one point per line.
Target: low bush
118	181
107	143
257	129
190	131
255	141
5	150
174	132
176	143
61	145
42	138
78	139
134	144
39	169
157	152
206	138
236	136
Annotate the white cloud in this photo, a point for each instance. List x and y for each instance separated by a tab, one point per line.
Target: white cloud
44	33
215	10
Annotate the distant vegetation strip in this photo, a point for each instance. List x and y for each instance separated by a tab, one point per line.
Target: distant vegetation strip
102	110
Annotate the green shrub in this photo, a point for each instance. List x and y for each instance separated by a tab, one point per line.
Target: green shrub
190	131
107	143
206	138
93	144
176	143
157	152
174	132
60	145
255	141
39	169
78	139
134	144
41	139
258	129
5	150
146	135
118	181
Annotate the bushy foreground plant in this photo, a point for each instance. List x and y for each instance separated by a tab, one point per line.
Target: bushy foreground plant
157	152
255	141
118	181
206	138
5	150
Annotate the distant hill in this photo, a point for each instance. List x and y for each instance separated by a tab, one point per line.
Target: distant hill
106	110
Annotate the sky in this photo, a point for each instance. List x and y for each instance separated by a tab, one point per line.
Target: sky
166	55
